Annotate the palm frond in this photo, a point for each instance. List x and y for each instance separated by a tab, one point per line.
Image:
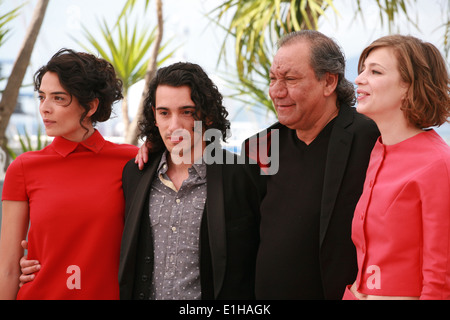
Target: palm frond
126	46
256	26
4	20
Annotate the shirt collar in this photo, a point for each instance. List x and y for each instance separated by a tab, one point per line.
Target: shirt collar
64	147
200	168
162	167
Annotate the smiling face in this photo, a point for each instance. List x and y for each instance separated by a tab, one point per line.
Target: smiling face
380	87
175	115
61	112
299	97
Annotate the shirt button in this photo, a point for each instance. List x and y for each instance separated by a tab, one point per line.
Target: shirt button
174	229
178	200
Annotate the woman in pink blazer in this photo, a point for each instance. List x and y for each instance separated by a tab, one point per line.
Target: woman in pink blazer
401	225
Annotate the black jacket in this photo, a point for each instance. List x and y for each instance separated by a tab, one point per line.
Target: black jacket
351	141
229	232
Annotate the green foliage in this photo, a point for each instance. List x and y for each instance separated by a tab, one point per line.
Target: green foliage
26	143
126	48
256	26
129	5
4	20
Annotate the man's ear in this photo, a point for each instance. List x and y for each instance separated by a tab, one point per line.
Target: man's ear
93	105
331	81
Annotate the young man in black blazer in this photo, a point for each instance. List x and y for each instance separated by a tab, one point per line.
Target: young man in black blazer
192	214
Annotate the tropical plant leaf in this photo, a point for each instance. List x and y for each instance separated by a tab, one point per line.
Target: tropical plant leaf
126	46
4	20
256	26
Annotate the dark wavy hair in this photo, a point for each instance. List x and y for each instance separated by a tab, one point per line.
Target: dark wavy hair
85	77
204	94
326	56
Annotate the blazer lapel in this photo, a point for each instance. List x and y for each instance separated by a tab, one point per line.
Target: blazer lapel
141	194
216	224
338	152
133	219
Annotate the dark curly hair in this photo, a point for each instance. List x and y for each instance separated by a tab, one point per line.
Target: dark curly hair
85	77
204	94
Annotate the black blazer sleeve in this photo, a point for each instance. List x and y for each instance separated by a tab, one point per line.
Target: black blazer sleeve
136	187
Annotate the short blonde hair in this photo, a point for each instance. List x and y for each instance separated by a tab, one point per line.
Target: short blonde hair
422	66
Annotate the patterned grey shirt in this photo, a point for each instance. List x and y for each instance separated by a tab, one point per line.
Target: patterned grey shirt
176	217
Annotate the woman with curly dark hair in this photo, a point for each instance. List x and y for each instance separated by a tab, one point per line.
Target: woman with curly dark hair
70	192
